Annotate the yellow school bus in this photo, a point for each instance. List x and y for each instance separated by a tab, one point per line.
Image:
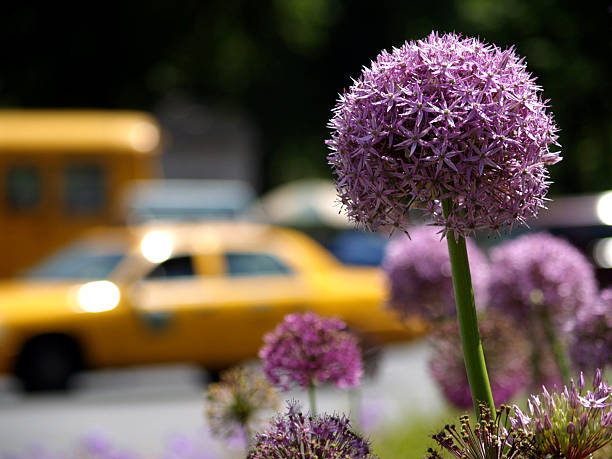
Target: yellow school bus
63	171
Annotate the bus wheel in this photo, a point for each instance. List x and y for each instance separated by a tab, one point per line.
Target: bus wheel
47	363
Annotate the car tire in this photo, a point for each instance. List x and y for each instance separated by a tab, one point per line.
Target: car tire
47	364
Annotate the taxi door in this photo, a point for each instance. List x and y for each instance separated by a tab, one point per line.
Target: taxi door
215	308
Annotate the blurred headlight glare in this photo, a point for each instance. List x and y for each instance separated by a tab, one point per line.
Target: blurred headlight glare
602	253
604	208
98	296
156	246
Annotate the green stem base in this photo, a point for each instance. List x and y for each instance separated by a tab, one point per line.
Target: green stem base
468	322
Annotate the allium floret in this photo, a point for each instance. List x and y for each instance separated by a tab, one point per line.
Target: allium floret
569	423
592	335
296	435
443	117
236	403
419	272
507	354
306	349
541	273
490	438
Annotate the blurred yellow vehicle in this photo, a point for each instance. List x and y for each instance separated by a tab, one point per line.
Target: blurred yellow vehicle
63	172
201	293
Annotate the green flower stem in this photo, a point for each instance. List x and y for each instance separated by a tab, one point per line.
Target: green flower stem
536	355
311	395
468	322
556	345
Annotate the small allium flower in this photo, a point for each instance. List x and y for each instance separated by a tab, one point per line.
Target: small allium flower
491	438
592	335
443	117
182	446
507	354
570	424
234	403
295	435
307	349
419	273
540	272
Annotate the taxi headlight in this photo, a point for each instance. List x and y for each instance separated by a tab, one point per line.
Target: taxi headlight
98	296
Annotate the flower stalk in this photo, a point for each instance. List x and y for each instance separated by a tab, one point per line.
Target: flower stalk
557	347
312	397
468	322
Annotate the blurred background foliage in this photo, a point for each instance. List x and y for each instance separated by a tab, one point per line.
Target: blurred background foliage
282	63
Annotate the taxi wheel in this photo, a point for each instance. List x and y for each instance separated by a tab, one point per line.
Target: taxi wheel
47	363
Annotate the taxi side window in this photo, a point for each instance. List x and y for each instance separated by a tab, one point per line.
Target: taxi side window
254	264
173	267
84	189
23	187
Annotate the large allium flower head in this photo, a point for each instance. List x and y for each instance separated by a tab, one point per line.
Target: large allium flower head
569	423
235	403
541	273
419	273
592	335
307	349
490	438
506	351
295	435
443	117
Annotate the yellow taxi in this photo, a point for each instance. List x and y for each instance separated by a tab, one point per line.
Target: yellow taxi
201	293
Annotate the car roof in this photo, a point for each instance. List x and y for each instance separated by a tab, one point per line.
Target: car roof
213	236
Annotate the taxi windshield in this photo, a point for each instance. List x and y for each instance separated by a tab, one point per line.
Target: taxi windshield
77	261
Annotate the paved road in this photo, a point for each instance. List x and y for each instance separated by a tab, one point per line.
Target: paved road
142	410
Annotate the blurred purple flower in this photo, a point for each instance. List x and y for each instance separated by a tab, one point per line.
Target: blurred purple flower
540	271
98	445
506	351
419	273
592	335
295	435
569	423
307	349
182	446
371	413
443	117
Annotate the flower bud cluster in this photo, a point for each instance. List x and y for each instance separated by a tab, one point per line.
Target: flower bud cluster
488	439
234	403
569	423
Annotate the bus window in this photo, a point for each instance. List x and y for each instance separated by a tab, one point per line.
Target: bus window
84	189
23	188
63	172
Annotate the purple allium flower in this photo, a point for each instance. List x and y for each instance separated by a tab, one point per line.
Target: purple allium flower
182	446
295	435
506	350
419	273
234	403
307	349
443	117
540	272
592	335
491	438
569	423
98	445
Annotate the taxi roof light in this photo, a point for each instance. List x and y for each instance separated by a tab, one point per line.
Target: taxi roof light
157	246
